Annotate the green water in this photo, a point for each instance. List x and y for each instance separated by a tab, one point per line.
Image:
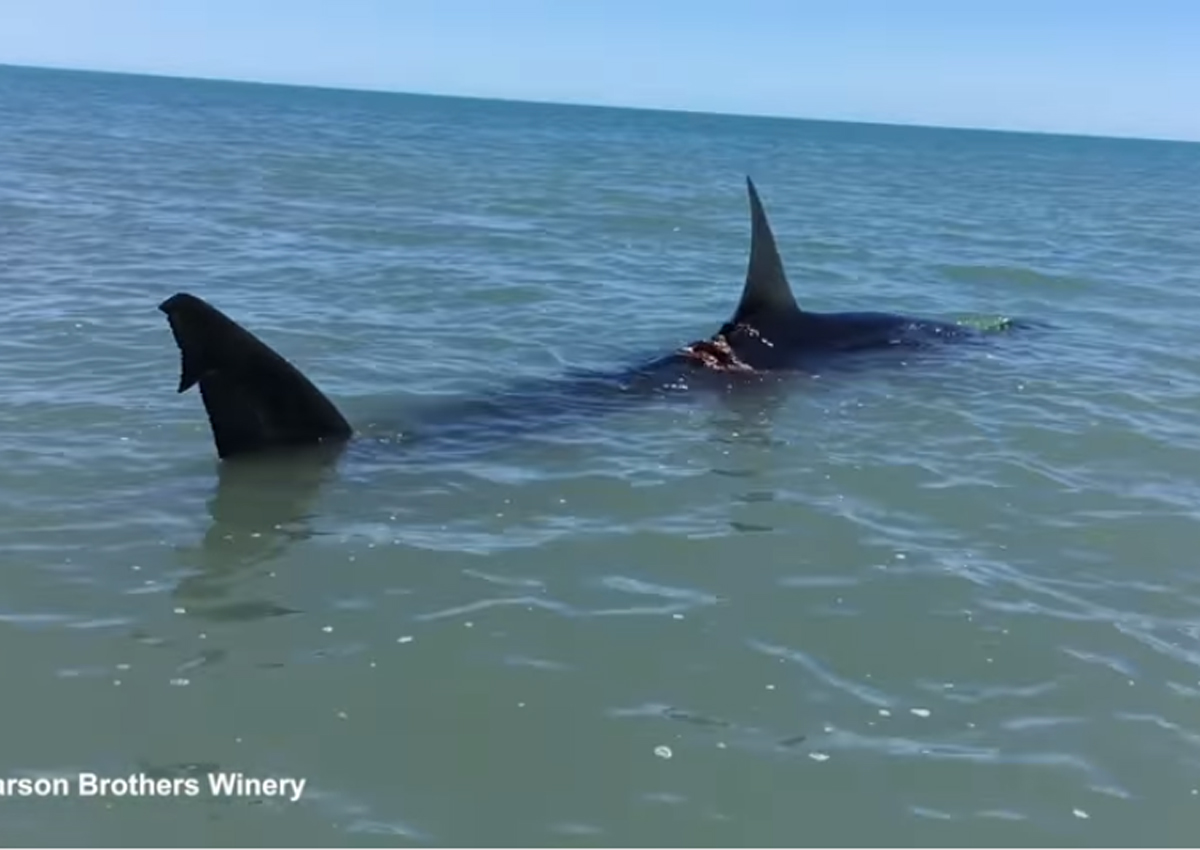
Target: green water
949	601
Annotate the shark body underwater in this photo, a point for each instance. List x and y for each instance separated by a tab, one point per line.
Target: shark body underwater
258	403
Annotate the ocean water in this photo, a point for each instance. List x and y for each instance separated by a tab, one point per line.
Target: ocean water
952	600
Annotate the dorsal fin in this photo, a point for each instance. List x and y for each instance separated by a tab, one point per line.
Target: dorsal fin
767	292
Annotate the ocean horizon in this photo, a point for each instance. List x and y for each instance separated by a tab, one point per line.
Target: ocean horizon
944	599
611	106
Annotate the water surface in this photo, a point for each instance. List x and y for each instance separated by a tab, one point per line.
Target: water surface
953	601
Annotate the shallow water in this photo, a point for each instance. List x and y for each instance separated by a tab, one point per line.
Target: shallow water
945	601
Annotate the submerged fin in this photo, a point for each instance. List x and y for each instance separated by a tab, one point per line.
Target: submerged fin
767	292
255	399
988	324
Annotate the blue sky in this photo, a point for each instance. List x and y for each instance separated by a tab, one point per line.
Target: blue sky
1109	67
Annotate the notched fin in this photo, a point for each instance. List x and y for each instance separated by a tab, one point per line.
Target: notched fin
191	346
189	372
255	399
767	291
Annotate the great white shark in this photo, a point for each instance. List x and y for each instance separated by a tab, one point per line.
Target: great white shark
259	402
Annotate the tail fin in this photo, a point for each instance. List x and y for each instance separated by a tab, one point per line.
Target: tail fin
255	399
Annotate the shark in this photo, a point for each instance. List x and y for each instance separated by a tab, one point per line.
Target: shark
259	402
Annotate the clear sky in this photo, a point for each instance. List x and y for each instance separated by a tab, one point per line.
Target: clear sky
1109	67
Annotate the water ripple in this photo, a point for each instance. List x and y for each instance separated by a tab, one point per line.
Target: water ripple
949	598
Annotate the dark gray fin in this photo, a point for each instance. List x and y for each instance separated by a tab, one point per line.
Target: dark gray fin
255	399
767	292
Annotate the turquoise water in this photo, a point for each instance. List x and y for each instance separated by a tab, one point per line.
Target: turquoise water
952	601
